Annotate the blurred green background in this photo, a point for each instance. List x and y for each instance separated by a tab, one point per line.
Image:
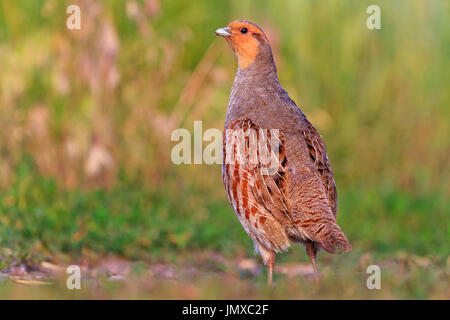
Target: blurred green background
86	117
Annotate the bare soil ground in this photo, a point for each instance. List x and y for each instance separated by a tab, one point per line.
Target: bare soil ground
209	275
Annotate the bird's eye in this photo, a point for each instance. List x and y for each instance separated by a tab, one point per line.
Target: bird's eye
244	30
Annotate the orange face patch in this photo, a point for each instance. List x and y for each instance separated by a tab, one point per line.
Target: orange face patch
244	42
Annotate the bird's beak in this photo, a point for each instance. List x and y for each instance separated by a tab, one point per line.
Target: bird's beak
223	32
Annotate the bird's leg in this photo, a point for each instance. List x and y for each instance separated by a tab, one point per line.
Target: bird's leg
269	260
311	250
270	264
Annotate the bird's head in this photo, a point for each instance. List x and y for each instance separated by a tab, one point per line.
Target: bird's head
247	40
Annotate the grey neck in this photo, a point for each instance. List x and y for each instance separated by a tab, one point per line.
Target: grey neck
260	73
255	88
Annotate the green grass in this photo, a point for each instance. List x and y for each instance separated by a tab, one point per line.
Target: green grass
133	222
35	212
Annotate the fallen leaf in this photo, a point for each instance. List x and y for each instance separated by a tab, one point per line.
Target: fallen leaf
31	282
52	267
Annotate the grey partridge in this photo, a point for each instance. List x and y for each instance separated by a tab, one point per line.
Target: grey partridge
292	199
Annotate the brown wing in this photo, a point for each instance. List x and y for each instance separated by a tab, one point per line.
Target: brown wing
273	203
313	194
255	181
320	158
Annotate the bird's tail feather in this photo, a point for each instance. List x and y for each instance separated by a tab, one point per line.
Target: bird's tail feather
333	240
